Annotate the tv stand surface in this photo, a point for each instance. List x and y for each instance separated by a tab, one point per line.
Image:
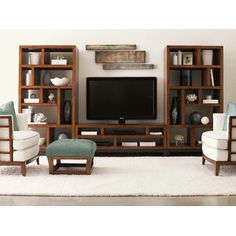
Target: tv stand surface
125	137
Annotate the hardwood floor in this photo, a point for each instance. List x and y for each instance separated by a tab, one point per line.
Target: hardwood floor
117	201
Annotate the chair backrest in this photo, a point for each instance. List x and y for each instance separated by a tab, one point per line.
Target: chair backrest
6	138
232	137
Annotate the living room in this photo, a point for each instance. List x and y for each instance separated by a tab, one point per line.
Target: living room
173	87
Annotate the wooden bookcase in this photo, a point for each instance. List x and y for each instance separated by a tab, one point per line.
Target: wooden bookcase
200	84
41	85
116	137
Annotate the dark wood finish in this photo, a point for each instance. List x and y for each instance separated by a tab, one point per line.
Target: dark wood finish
55	168
44	64
172	87
11	161
231	140
127	66
120	56
115	139
111	47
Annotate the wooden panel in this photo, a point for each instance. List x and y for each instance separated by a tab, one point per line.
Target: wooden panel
111	47
127	66
120	56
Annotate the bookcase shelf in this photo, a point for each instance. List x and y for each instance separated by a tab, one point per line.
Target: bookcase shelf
201	80
39	70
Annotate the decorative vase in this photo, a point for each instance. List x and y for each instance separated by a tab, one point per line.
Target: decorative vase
207	57
179	57
62	136
28	78
205	120
195	118
175	59
46	78
186	77
174	111
67	111
34	58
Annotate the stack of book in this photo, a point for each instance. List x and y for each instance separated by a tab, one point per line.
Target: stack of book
129	144
155	133
31	100
89	133
147	144
210	101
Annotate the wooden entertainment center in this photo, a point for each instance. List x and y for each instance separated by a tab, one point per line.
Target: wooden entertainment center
206	80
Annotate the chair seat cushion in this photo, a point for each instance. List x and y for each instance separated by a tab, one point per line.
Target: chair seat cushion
71	148
25	139
22	155
216	139
26	154
216	154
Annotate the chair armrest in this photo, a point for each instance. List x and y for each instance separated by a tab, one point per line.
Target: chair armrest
218	121
22	121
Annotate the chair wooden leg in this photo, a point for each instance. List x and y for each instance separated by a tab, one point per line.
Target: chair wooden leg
203	160
23	169
37	160
217	169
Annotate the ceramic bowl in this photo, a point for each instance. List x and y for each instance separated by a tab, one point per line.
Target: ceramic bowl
60	81
41	141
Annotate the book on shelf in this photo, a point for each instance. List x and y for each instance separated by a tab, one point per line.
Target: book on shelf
212	78
129	144
37	123
31	100
210	101
155	133
89	133
147	144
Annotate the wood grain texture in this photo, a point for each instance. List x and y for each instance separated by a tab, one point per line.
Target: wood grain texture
127	66
111	47
120	56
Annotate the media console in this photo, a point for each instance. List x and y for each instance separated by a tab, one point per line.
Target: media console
125	137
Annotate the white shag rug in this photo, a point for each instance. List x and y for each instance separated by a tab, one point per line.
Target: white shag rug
124	176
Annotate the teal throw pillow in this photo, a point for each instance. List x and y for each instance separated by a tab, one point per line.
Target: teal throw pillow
8	109
230	111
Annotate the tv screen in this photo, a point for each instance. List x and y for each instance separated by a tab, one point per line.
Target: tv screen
116	98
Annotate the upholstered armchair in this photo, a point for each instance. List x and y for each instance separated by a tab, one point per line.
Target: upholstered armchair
219	145
17	148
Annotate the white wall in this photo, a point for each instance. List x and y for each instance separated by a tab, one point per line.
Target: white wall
153	41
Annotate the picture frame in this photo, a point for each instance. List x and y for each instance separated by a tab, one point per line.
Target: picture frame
187	58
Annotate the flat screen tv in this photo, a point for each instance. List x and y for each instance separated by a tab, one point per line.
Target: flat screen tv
121	98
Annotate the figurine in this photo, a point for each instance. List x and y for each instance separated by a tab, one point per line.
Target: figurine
39	118
51	98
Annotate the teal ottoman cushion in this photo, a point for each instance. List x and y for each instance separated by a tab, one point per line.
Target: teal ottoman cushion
71	148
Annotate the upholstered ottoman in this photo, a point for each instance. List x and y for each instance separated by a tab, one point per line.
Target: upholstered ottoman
60	151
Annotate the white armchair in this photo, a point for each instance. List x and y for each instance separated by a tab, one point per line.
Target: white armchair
219	146
17	148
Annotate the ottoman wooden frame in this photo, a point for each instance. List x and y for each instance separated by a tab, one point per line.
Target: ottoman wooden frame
55	168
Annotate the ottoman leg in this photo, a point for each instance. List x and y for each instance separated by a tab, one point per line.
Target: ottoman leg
50	165
89	166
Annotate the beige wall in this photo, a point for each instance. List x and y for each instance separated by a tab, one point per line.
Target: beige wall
153	41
